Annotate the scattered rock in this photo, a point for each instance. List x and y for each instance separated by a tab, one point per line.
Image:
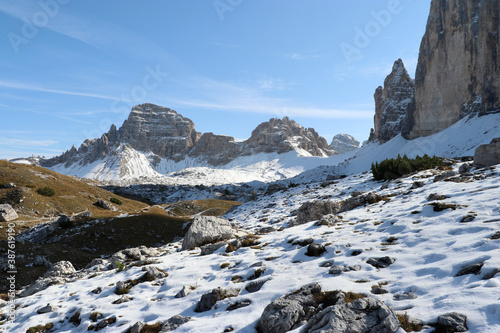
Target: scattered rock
207	229
7	213
314	210
123	299
186	290
465	168
328	263
290	311
338	269
417	184
435	196
471	269
173	323
487	155
239	305
47	308
152	273
452	322
105	323
315	250
104	205
329	220
382	262
60	269
97	290
491	274
75	319
208	300
445	175
255	286
9	185
379	291
137	327
211	248
355	253
405	296
362	315
123	287
342	143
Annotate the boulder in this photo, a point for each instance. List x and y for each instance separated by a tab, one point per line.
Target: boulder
7	213
315	250
290	311
364	315
452	322
105	205
487	155
208	300
60	269
382	262
255	286
338	269
47	308
173	323
314	210
207	229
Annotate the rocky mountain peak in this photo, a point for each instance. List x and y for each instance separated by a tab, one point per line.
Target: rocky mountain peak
160	130
284	135
342	143
392	102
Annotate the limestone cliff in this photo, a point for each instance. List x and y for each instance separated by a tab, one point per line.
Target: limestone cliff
392	103
342	143
458	67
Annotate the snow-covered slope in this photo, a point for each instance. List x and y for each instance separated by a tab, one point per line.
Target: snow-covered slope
429	249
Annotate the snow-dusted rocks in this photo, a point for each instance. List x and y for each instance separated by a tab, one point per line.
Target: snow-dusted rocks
392	103
290	311
452	322
314	210
362	315
208	300
61	272
487	155
60	269
7	213
207	229
342	143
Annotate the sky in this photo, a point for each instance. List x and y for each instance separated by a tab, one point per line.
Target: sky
69	69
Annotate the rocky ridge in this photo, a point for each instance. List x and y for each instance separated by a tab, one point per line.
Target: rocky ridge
166	134
343	143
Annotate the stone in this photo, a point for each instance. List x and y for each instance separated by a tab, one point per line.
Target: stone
379	291
290	311
465	168
343	143
123	299
452	322
239	305
435	196
211	248
329	220
207	229
405	296
381	262
255	286
173	323
60	269
42	261
137	327
338	269
392	103
186	290
471	269
47	308
105	323
364	315
215	149
460	46
96	291
445	175
315	250
41	284
315	210
417	184
487	155
152	274
208	300
9	185
7	213
105	205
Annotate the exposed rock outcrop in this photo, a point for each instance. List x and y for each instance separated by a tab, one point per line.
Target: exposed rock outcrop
392	103
215	149
342	143
487	155
207	229
7	213
458	66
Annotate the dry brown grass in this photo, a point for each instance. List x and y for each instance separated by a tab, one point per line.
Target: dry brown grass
212	207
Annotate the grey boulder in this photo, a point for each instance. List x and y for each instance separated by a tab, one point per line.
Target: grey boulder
7	213
205	230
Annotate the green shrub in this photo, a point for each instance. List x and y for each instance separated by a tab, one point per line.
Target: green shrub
120	266
116	201
394	168
46	191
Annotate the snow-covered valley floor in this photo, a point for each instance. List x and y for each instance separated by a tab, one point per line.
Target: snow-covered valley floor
429	249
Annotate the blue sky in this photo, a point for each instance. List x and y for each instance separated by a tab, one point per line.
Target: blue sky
69	69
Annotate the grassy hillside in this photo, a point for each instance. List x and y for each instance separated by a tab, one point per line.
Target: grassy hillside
70	197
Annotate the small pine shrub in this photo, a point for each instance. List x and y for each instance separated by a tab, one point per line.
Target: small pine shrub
116	201
120	267
394	168
46	191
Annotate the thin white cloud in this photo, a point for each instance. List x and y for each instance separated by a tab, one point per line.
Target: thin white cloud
26	142
303	56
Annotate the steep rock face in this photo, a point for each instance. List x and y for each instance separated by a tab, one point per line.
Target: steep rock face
458	67
215	149
160	130
342	143
284	135
392	103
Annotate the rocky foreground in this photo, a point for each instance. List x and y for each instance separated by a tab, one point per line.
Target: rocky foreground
420	251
